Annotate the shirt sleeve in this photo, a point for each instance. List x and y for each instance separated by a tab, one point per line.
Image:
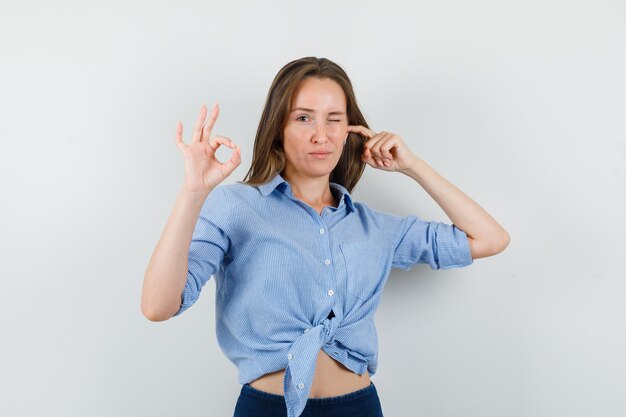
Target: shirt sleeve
441	245
209	245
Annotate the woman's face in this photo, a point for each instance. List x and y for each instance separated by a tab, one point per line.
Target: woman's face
317	123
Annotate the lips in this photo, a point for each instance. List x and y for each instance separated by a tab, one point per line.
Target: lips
320	155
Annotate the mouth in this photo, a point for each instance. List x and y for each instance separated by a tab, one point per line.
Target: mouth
320	155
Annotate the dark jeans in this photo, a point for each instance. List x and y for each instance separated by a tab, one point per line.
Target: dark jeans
361	403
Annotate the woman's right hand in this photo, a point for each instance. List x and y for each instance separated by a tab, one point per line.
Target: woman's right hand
203	171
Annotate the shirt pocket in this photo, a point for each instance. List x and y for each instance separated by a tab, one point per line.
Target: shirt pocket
363	267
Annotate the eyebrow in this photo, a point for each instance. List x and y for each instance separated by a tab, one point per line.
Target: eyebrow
313	111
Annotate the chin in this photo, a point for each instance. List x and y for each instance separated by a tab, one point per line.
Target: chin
321	171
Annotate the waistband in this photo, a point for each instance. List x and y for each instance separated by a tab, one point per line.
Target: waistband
368	391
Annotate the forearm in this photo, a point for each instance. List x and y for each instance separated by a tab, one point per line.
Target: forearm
166	275
464	212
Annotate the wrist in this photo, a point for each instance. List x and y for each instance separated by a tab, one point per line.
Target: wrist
187	194
413	168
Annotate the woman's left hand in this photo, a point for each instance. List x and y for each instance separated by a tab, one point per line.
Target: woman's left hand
385	150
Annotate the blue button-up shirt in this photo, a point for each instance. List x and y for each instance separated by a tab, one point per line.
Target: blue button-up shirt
281	267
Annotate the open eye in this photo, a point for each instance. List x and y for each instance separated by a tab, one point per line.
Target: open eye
298	118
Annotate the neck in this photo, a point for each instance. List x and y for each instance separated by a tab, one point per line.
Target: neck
312	190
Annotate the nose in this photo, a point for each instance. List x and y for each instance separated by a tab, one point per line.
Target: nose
320	133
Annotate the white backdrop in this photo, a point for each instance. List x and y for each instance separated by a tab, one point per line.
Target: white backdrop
520	104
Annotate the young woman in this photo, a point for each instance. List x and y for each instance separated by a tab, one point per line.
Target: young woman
299	266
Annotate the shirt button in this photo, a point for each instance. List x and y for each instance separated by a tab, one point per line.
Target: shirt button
327	261
300	385
290	356
306	330
322	231
330	292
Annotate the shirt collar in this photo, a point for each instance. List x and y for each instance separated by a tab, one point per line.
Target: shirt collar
272	184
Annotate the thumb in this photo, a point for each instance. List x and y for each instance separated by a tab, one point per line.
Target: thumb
234	160
369	160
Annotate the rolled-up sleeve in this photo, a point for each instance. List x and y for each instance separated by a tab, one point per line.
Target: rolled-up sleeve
209	245
441	245
414	240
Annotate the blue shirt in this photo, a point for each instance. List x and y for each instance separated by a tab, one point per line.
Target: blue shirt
280	268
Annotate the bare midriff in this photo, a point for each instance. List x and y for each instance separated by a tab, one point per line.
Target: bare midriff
331	379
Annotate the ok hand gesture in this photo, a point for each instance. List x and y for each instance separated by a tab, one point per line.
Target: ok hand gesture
203	171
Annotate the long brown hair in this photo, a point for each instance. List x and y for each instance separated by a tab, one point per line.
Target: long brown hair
268	156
